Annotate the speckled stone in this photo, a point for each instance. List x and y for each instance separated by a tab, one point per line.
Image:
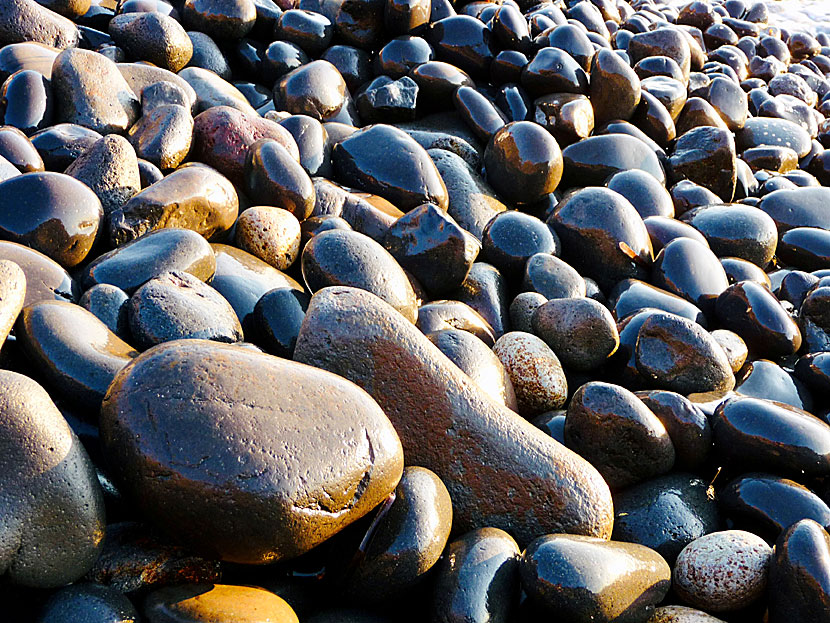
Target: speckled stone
12	295
723	571
271	234
681	614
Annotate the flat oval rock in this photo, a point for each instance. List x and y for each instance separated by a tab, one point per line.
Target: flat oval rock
26	21
494	450
278	502
53	509
176	306
588	579
46	280
591	161
535	372
74	350
80	602
195	603
797	207
157	252
384	160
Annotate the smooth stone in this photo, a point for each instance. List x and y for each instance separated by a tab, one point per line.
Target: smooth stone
348	258
278	316
568	117
142	75
444	314
384	160
590	580
665	514
243	279
648	196
425	396
12	296
60	145
512	237
799	576
163	136
260	445
752	433
384	100
197	603
481	115
163	93
602	236
177	305
473	356
535	372
271	234
223	136
522	309
108	304
553	278
366	213
273	176
632	295
61	220
580	331
805	248
53	509
687	195
165	250
428	243
595	159
669	42
134	559
687	426
477	581
193	197
523	162
471	201
689	269
74	351
210	91
614	430
615	88
26	21
760	131
87	603
669	90
110	169
655	121
734	347
706	156
730	101
152	37
312	142
553	70
46	280
231	19
814	370
753	312
318	90
768	505
462	41
27	101
91	92
736	230
485	290
798	207
19	151
723	571
679	355
407	541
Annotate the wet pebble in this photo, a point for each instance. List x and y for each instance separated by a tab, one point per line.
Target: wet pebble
535	372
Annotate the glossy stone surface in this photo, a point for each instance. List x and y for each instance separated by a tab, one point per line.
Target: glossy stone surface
62	218
193	197
622	438
430	395
163	136
153	37
800	573
588	579
761	434
28	102
347	258
687	426
687	268
593	160
408	540
615	88
632	295
535	372
753	312
580	331
274	176
45	468
271	234
46	280
799	207
177	305
88	602
477	581
706	156
315	89
278	316
665	513
336	414
736	231
191	603
596	223
677	354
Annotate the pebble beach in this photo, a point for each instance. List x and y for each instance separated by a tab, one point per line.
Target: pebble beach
428	311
